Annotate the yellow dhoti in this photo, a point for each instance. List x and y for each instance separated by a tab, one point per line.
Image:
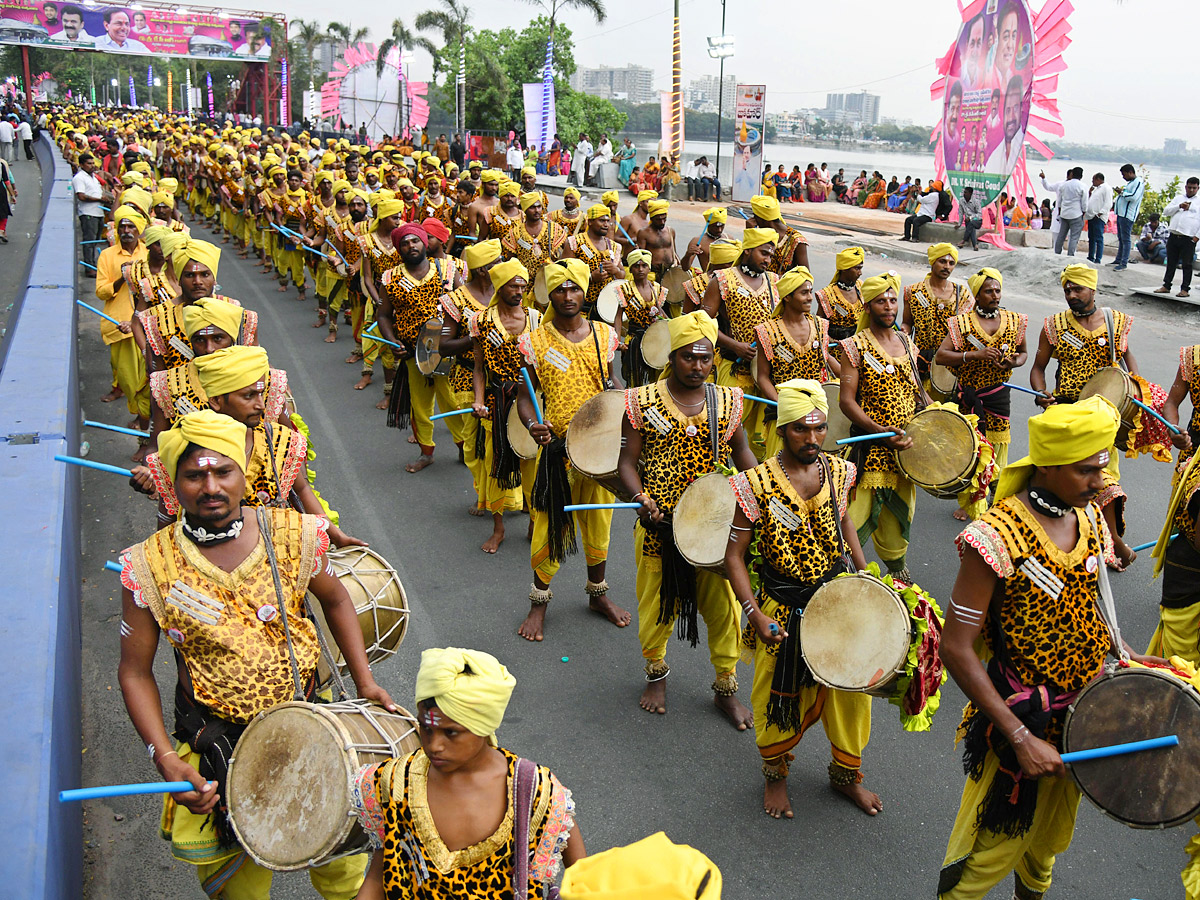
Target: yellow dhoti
495	498
129	374
595	527
888	533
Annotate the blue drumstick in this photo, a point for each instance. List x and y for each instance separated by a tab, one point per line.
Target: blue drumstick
116	428
373	337
1156	415
88	464
89	265
867	437
626	233
101	241
96	311
125	790
537	408
453	412
112	566
1146	546
1025	390
602	506
761	400
1077	756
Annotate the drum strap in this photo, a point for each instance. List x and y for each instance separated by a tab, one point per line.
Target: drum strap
525	785
837	513
1110	326
710	405
1106	604
605	382
265	527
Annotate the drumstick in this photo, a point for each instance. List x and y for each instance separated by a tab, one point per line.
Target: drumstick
371	336
299	240
101	241
126	790
464	237
761	400
602	506
112	566
537	408
88	464
1078	756
89	265
453	412
116	428
867	437
1154	412
1146	546
626	233
96	311
741	212
1025	390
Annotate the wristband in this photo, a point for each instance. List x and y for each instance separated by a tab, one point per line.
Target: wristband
1017	738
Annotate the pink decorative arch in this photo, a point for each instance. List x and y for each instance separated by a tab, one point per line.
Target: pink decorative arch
361	54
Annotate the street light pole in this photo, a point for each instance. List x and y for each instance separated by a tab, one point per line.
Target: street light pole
720	48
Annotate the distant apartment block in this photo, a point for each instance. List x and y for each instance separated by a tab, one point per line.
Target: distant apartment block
861	107
633	84
1174	147
702	93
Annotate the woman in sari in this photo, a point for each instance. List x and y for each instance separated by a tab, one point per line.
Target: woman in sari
876	192
813	184
636	183
555	158
650	174
914	191
625	156
859	188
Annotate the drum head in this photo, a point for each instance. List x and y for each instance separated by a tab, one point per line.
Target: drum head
608	302
702	519
944	448
378	598
519	437
656	345
541	295
839	425
1115	386
674	280
855	633
942	379
1152	789
426	352
594	435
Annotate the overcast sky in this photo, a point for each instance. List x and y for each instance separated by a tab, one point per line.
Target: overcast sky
1114	91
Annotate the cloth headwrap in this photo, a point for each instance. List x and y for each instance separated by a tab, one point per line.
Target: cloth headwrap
799	397
135	196
529	199
502	273
598	210
723	252
171	241
321	177
154	234
360	194
572	192
142	166
1084	276
276	170
398	234
386	208
328	159
792	279
658	207
200	251
756	237
206	429
341	185
209	311
849	258
638	256
693	327
935	185
609	197
129	214
878	284
170	185
765	209
487	176
159	197
653	868
231	369
436	228
469	686
479	255
529	170
975	282
1064	434
574	270
716	214
937	251
133	178
643	196
511	189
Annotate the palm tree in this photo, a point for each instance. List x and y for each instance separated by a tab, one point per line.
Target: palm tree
552	8
308	34
453	22
347	37
402	38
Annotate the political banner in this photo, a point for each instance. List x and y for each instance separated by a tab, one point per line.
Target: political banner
749	128
133	29
989	87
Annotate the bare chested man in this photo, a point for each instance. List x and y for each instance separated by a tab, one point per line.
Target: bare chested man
659	238
628	227
697	249
477	225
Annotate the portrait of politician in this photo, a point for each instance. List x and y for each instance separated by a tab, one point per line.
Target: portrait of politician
116	33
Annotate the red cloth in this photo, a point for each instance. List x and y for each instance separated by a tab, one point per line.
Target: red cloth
398	234
436	228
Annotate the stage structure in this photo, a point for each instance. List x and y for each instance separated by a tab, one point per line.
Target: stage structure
997	86
387	102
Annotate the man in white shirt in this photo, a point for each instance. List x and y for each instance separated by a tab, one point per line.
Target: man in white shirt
1184	213
692	179
71	17
602	155
706	181
7	135
579	159
89	194
1004	158
515	160
1071	203
25	136
926	207
1099	202
116	34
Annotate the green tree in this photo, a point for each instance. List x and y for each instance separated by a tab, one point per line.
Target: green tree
1155	201
576	112
453	21
402	38
553	8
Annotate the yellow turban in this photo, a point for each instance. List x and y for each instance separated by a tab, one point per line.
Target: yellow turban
721	253
792	279
487	176
361	195
341	185
937	251
172	241
130	178
502	273
658	207
276	170
210	312
879	284
975	282
162	197
328	159
716	214
1084	276
320	177
691	328
510	189
469	686
170	185
571	192
610	197
135	196
643	196
529	199
756	237
797	398
529	170
638	256
574	270
1064	434
765	209
479	255
206	429
598	210
653	868
129	214
849	258
200	251
384	209
231	368
154	234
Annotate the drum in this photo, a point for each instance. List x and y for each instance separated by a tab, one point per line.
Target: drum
519	437
839	425
429	360
378	598
702	519
1117	387
943	382
674	281
289	403
290	776
594	439
944	453
609	301
855	634
1152	789
541	295
656	344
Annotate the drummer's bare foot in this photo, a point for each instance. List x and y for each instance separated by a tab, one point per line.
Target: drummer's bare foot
961	515
492	544
332	338
477	511
355	356
283	289
605	607
867	801
115	394
532	628
412	438
737	713
654	697
321	316
426	459
775	800
383	404
140	455
362	382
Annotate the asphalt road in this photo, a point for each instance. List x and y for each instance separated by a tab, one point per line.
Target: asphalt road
575	707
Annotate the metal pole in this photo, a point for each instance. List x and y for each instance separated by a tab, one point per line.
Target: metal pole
721	112
28	82
676	92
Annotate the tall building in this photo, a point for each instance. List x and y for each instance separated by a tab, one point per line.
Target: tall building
633	84
701	93
1174	146
861	107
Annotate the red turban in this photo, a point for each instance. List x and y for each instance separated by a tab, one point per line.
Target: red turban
399	234
436	228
